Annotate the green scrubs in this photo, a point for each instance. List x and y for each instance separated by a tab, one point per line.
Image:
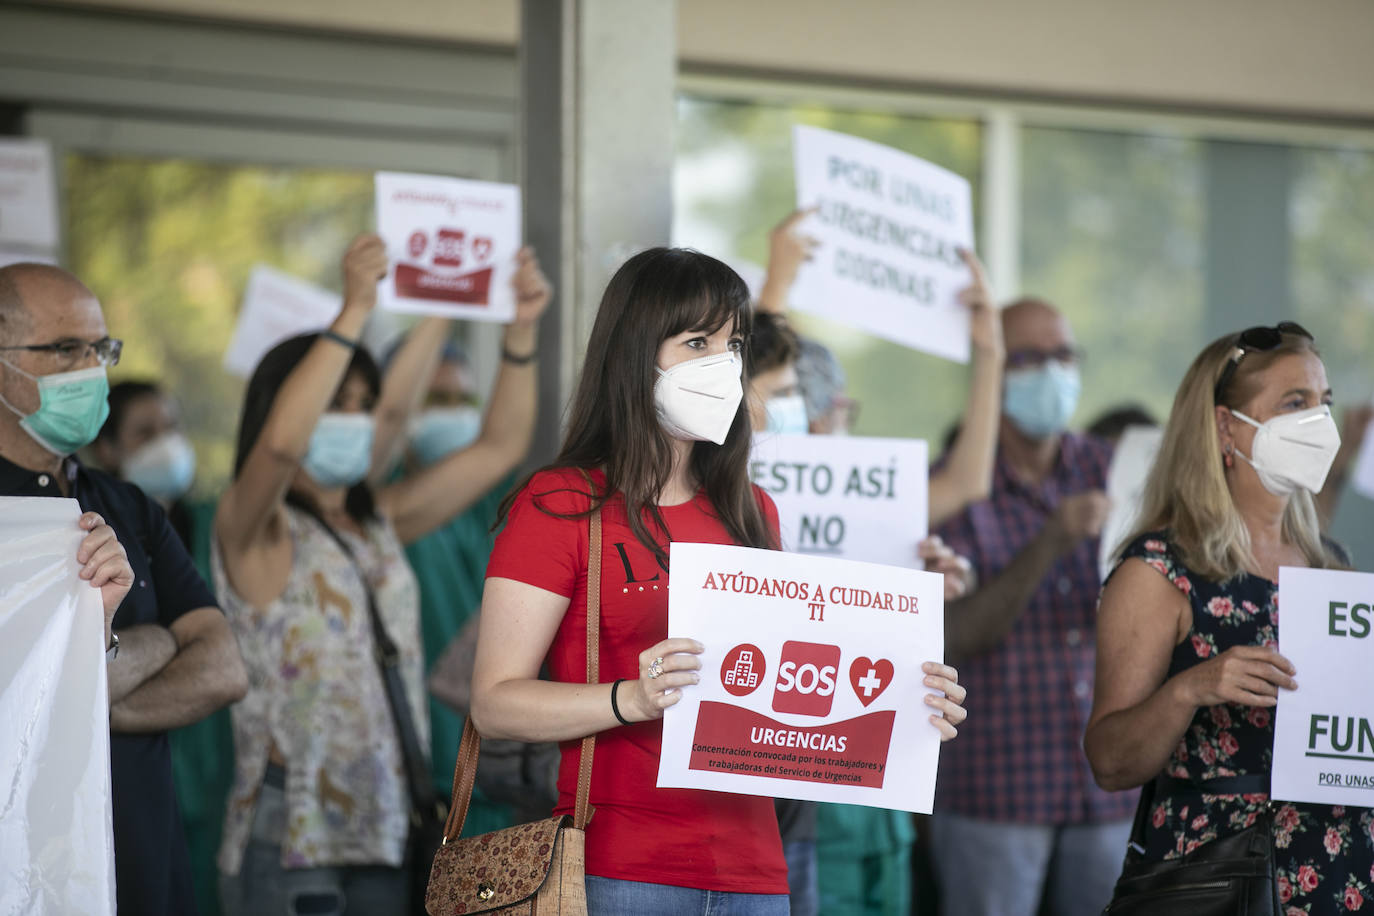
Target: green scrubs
864	859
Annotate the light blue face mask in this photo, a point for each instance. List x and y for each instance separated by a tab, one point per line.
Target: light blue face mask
441	431
1040	401
787	414
72	406
164	468
340	452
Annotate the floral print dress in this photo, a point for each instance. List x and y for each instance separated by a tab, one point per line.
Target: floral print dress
1324	855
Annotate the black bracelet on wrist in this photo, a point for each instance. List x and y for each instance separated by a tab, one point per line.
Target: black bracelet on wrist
516	359
339	339
615	708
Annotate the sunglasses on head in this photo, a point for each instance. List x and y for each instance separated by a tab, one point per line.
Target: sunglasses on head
1260	338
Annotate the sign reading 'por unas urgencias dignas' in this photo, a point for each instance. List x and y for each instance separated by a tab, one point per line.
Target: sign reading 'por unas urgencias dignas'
1324	730
811	682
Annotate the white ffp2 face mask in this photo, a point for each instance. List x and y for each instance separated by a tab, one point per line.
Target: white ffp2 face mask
697	400
1293	450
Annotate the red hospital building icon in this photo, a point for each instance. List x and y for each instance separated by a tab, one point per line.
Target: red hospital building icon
743	669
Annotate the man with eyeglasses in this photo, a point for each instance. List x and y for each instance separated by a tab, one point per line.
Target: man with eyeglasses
1018	815
171	659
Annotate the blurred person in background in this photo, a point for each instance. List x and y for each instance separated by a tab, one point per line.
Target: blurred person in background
864	855
171	659
450	562
1017	815
1188	670
306	552
143	442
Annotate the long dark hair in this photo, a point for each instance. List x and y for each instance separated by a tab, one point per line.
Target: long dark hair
612	422
269	376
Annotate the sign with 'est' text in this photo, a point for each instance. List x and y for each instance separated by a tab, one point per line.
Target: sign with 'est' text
811	682
452	245
1324	730
889	226
846	496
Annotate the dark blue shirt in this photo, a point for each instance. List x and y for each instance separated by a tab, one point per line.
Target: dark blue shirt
152	871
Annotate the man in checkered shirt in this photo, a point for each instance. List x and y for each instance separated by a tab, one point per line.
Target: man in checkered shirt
1018	815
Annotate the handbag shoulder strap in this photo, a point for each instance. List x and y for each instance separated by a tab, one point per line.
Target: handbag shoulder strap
465	767
423	798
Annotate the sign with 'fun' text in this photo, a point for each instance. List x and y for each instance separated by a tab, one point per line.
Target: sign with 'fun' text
811	682
889	226
1324	730
452	245
846	496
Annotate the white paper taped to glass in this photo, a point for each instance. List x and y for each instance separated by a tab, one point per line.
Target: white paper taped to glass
56	826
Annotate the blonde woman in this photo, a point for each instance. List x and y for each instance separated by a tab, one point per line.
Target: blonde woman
1187	668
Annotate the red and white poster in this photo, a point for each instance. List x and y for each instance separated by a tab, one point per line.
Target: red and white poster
452	244
811	682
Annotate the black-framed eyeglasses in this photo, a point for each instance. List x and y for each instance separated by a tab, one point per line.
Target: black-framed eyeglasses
1033	359
1259	339
73	352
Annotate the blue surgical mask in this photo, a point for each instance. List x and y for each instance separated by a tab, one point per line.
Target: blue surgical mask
787	414
72	406
441	431
1040	401
340	452
164	468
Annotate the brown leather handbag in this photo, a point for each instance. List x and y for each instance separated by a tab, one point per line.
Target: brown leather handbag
537	868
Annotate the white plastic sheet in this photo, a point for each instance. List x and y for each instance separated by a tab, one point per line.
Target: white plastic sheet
56	827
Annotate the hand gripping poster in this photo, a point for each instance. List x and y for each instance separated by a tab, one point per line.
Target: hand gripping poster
811	682
452	245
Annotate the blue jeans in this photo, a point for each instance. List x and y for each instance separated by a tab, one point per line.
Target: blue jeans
613	897
263	888
988	868
803	882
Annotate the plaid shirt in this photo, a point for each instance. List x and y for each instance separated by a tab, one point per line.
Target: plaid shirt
1019	756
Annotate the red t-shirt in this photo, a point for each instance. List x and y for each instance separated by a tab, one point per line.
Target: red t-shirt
682	837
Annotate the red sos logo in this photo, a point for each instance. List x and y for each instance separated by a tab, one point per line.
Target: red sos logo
806	678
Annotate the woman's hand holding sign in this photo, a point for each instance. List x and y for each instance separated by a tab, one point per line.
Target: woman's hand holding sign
664	669
949	701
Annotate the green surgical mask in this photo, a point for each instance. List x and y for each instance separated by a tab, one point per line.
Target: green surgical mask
72	406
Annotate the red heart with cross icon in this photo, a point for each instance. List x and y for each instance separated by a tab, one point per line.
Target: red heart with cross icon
869	678
481	248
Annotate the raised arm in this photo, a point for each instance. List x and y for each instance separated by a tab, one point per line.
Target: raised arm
1138	715
403	390
979	622
967	476
788	249
1355	424
428	499
255	497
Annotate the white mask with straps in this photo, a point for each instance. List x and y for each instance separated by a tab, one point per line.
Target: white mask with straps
697	400
1293	450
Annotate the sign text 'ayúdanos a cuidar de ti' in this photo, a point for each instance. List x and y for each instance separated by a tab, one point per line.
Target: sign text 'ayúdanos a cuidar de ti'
811	682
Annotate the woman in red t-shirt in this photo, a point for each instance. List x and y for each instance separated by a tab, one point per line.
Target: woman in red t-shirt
657	425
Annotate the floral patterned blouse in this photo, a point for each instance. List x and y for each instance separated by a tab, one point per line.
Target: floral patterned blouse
315	692
1324	855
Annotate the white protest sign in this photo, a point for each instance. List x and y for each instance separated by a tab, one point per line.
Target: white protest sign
846	496
1324	730
276	306
1363	478
888	224
1131	462
452	244
10	256
811	682
28	197
56	823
